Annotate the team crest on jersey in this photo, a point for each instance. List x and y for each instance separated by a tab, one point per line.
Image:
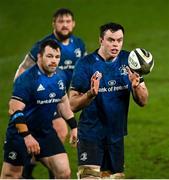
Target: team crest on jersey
12	155
123	70
83	156
61	85
78	52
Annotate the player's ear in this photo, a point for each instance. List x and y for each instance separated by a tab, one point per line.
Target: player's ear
39	56
100	40
53	24
74	24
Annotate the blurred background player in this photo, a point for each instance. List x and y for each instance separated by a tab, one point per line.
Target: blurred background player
101	86
37	94
72	48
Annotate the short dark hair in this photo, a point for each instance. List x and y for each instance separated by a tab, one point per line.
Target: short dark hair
49	42
61	12
110	26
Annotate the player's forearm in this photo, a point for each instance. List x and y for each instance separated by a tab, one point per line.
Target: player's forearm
140	94
66	113
64	109
79	100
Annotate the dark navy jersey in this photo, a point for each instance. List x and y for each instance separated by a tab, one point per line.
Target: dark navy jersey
106	115
40	94
69	54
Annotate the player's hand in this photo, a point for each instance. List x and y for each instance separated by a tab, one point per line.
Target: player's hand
133	77
95	82
32	144
73	137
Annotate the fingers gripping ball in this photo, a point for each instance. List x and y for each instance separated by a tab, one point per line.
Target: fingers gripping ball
141	61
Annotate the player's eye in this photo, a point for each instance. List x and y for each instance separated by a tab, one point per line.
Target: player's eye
119	40
60	21
57	57
49	56
110	40
68	21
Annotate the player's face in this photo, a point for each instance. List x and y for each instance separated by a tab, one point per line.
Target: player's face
49	60
111	44
63	26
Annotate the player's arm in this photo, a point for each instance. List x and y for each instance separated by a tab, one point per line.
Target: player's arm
25	64
66	112
17	118
79	100
139	89
64	108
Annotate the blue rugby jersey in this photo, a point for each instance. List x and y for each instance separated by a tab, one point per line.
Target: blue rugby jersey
69	54
41	94
106	115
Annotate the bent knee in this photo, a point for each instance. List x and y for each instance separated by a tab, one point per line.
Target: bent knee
85	172
11	172
11	175
64	174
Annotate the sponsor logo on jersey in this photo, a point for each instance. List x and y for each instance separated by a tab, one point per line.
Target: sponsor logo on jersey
52	95
68	64
67	67
40	88
48	101
83	156
113	88
12	155
111	82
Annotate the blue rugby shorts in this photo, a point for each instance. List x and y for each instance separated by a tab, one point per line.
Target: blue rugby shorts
15	151
110	157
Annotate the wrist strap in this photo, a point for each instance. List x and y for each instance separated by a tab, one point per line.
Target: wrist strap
72	123
24	134
141	80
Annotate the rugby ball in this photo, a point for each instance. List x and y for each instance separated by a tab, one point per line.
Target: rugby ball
141	61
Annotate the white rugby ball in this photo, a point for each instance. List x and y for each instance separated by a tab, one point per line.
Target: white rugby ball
141	61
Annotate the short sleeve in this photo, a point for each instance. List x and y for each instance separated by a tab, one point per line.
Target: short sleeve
83	48
22	89
81	76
